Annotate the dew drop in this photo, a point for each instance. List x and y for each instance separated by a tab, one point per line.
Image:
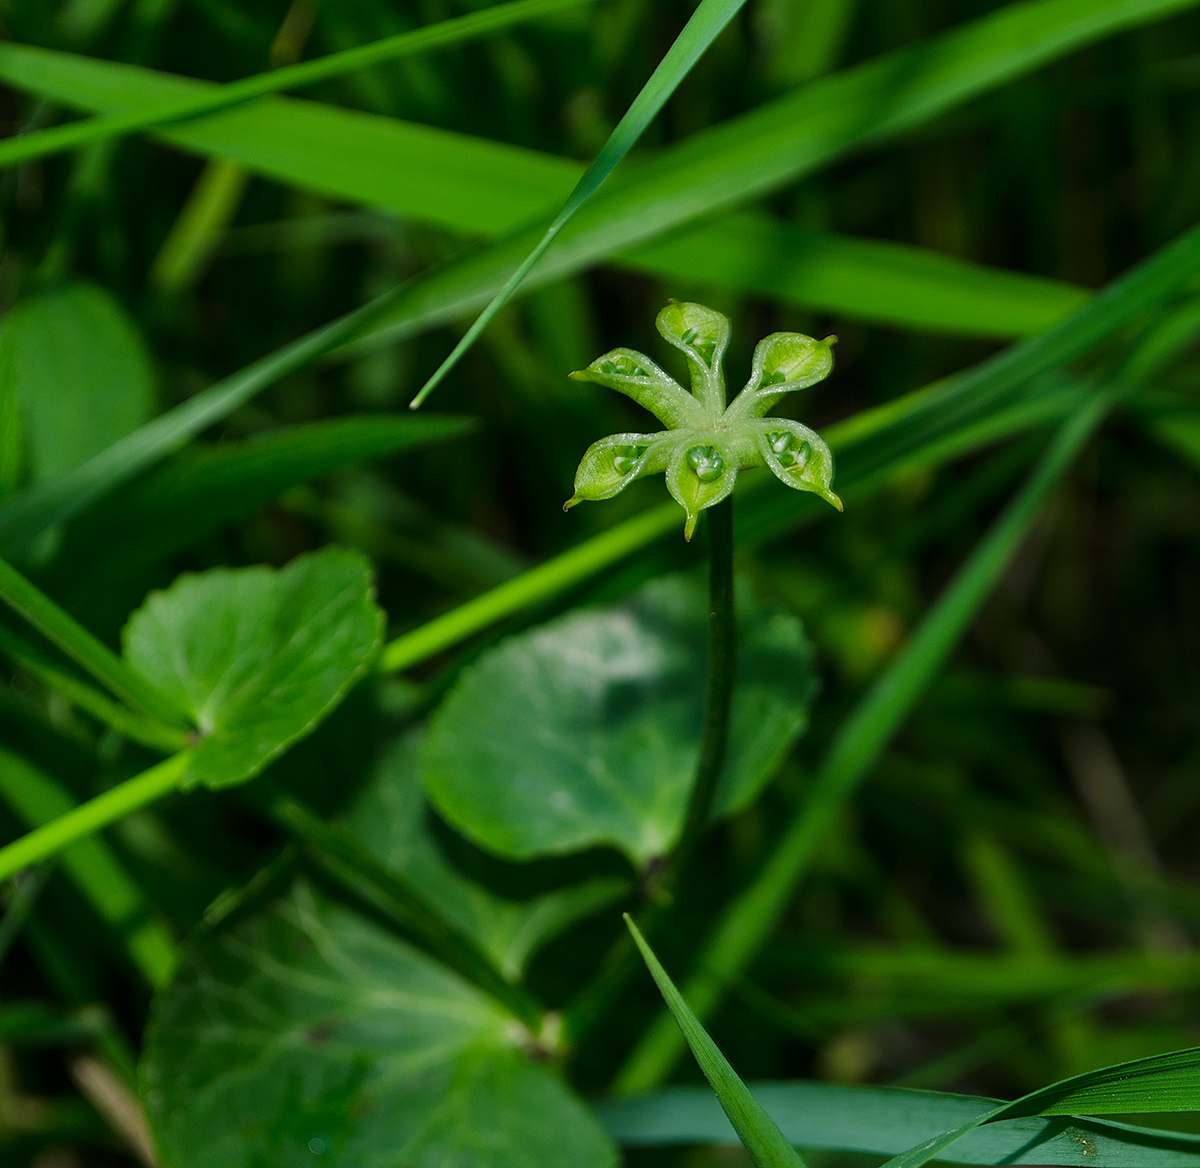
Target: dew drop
706	462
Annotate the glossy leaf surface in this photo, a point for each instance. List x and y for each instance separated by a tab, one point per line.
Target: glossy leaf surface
585	731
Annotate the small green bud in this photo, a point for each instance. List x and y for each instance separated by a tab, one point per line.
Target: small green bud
706	443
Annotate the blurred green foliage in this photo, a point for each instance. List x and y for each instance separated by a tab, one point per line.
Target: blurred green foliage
992	880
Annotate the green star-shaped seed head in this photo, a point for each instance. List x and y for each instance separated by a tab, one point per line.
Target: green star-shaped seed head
706	442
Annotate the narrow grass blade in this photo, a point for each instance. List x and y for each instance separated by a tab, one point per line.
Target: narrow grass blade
704	26
156	735
755	1128
24	147
884	1120
88	818
74	640
29	888
93	867
751	918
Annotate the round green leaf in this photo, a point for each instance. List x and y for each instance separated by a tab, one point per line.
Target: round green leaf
258	656
306	1035
586	730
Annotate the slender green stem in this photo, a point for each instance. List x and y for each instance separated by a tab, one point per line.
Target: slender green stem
748	922
339	857
621	962
153	734
74	640
718	700
93	815
446	32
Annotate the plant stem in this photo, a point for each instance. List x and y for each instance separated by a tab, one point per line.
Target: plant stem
752	917
93	815
718	699
621	962
74	640
341	859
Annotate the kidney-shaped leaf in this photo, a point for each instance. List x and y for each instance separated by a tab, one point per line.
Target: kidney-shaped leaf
586	731
390	819
307	1035
257	656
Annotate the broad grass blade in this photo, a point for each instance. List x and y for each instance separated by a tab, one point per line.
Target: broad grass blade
1167	1082
24	147
755	1128
885	1120
704	26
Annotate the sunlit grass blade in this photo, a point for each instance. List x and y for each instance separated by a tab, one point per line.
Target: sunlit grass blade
93	867
447	32
749	921
92	816
79	644
755	1128
884	1120
704	26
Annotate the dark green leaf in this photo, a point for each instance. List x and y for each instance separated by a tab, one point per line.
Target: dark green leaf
308	1035
585	730
257	656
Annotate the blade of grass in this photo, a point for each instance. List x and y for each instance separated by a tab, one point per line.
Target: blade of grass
93	868
749	921
56	139
156	735
703	27
755	1128
90	817
74	640
1166	1082
777	143
883	1120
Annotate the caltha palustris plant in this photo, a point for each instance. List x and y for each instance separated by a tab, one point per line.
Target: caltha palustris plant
706	441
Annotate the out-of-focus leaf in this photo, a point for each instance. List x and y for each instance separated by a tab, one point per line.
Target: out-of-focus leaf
307	1034
81	375
884	1120
257	656
390	819
886	282
586	730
